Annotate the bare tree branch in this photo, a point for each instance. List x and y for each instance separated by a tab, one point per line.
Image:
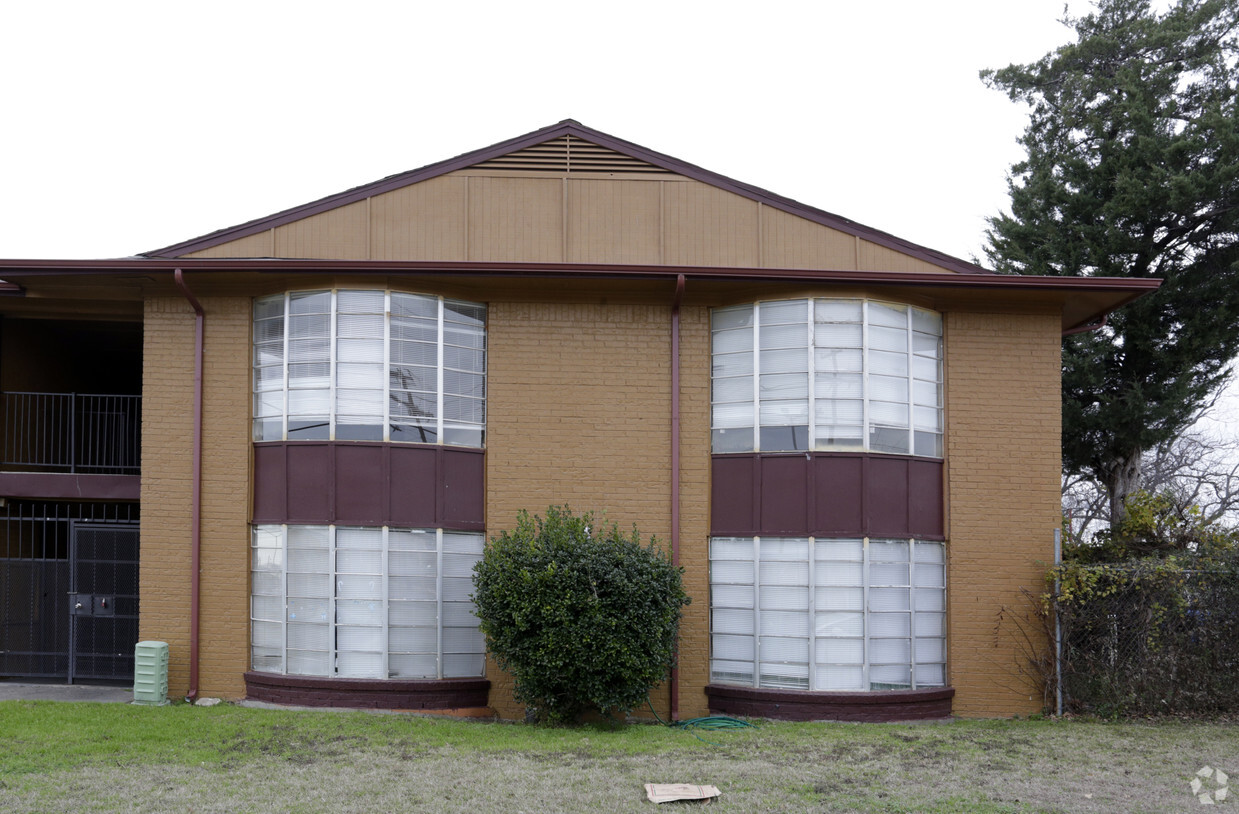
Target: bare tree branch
1198	471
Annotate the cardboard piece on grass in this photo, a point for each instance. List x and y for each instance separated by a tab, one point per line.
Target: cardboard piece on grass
668	792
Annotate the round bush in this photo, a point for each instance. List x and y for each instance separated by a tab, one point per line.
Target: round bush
583	618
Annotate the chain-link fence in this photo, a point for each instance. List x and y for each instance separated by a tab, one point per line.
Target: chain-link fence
1149	638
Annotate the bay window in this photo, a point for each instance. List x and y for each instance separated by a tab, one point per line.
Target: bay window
379	603
827	614
827	374
369	365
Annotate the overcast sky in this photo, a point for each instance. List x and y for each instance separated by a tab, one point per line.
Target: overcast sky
129	126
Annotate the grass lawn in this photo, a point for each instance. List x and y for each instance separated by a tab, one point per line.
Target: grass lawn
57	756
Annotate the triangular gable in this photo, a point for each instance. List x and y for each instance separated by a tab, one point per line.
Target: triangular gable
509	202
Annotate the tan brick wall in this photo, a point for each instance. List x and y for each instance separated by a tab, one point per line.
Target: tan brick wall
694	656
579	413
167	479
1003	460
579	407
167	472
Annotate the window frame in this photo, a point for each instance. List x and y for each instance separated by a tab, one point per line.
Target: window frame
929	615
763	435
267	391
264	656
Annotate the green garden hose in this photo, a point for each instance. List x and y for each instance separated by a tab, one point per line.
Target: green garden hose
709	722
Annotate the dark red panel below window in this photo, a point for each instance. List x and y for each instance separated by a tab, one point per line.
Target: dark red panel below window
838	495
784	495
826	494
308	471
886	497
732	487
369	484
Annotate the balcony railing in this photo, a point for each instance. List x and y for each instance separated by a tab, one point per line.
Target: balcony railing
71	432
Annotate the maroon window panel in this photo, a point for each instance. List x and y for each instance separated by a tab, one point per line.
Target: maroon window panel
369	484
826	494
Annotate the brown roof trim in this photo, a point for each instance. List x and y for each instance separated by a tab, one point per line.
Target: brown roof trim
569	127
46	267
1117	291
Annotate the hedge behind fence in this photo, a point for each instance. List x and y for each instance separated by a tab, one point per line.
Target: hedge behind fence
1150	636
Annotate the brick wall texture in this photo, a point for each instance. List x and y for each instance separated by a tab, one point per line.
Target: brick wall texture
167	494
579	407
1003	465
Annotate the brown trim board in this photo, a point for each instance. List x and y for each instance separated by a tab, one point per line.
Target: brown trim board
793	705
56	486
1084	299
440	695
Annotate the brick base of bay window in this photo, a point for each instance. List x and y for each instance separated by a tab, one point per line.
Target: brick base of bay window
793	705
455	696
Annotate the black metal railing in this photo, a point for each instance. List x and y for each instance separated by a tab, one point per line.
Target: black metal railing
71	432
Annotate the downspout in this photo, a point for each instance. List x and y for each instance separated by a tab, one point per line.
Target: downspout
195	589
675	463
1092	326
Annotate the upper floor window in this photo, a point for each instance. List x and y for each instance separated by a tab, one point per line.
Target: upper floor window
832	374
369	366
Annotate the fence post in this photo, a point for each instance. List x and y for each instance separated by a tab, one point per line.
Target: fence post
1058	626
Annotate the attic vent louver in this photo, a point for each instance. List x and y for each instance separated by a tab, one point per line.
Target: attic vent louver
570	154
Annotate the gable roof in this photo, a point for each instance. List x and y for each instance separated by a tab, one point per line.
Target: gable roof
569	146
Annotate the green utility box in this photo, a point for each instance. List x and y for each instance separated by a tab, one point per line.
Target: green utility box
150	673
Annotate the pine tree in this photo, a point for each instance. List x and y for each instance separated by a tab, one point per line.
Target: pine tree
1132	170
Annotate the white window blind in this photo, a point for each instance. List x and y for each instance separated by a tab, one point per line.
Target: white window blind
827	374
365	602
369	365
827	614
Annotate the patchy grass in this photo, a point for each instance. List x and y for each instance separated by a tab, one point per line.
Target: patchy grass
113	757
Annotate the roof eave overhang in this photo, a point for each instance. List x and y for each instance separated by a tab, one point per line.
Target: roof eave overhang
1086	300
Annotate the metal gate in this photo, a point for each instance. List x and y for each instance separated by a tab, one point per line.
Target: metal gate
103	601
54	557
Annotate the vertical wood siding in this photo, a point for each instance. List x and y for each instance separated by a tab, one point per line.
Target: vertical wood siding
506	216
259	245
610	222
341	234
516	219
791	242
421	220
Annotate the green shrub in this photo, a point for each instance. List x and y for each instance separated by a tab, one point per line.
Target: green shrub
583	618
1156	525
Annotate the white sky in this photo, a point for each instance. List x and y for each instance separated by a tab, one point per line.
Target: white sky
128	126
